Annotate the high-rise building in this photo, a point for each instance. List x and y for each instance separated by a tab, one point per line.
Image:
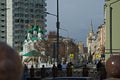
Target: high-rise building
16	15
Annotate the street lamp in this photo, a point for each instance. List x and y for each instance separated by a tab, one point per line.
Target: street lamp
57	26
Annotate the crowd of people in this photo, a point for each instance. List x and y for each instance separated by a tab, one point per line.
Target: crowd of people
56	71
67	70
11	67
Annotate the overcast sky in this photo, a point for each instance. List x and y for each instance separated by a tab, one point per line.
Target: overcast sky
75	17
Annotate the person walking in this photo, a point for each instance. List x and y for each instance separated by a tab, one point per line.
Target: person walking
64	65
43	72
85	71
32	71
69	70
25	72
101	70
54	71
59	69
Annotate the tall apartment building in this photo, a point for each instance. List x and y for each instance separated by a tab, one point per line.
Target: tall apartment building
16	15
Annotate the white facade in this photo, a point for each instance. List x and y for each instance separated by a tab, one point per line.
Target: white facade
17	15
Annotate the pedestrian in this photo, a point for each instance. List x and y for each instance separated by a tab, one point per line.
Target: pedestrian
101	70
59	66
54	71
11	67
69	70
64	65
59	69
25	74
85	71
103	73
99	66
32	71
43	72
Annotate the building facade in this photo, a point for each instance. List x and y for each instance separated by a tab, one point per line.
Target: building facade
16	15
112	18
68	51
96	43
90	38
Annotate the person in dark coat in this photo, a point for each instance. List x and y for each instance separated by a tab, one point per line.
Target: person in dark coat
25	72
43	72
69	70
59	67
101	70
54	71
99	66
32	71
85	71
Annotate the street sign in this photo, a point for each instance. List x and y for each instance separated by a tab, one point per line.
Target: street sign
71	55
97	56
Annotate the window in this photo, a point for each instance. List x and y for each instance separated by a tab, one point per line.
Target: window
31	10
2	31
2	15
2	26
2	3
26	21
2	9
16	20
2	20
3	37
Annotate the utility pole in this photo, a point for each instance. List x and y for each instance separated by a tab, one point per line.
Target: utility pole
58	26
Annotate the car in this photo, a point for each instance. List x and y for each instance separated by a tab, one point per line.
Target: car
70	78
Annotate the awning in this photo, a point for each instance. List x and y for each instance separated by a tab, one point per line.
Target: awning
32	53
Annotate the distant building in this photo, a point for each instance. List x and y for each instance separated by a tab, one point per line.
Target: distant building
82	52
34	49
81	47
15	15
96	43
66	48
90	39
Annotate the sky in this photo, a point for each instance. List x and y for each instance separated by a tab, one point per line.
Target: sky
75	17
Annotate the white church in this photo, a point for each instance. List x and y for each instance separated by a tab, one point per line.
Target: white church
30	55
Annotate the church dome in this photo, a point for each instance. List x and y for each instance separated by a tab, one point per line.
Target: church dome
35	28
29	31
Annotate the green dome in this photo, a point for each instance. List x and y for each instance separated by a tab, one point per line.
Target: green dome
35	28
40	31
29	31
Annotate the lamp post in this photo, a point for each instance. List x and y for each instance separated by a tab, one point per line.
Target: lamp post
58	27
